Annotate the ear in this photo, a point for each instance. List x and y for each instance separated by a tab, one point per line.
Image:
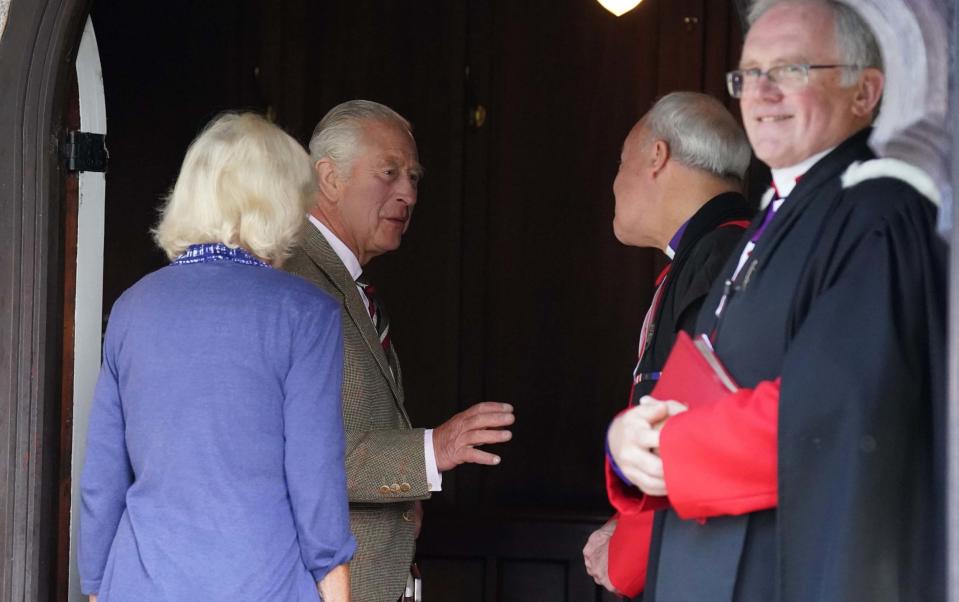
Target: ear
868	92
327	179
658	156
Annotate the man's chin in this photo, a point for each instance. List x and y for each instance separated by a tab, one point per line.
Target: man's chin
773	158
390	244
618	232
773	153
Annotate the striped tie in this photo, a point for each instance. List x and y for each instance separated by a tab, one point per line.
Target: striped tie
381	321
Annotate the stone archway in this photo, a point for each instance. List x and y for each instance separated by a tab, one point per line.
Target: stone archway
4	9
913	125
37	51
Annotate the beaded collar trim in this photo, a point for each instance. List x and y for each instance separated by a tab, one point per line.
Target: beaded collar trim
206	252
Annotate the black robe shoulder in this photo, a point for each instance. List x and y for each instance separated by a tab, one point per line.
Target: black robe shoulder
710	236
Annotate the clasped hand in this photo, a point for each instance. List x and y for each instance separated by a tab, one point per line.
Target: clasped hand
634	443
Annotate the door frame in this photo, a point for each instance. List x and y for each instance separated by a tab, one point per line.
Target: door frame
37	52
88	316
952	367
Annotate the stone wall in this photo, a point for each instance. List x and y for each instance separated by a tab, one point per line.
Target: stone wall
4	8
913	123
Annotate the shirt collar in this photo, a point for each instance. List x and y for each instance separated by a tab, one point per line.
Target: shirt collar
217	251
784	179
342	251
673	245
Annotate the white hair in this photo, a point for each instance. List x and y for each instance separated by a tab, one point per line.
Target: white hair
855	40
245	183
338	135
701	133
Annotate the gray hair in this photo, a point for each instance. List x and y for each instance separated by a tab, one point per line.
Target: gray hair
701	133
856	42
338	135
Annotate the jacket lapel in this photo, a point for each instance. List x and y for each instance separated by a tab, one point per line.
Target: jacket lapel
325	258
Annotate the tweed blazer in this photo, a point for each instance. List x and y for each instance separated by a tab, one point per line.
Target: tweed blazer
385	467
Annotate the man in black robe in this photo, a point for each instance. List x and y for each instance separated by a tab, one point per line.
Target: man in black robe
822	477
678	190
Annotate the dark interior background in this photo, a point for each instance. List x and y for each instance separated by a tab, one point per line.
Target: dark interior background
510	284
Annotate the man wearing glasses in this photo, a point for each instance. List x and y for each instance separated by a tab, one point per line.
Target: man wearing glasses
820	479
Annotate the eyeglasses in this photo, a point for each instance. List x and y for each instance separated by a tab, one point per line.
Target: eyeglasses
785	77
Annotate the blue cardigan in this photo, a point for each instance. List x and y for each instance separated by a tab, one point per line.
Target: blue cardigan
214	460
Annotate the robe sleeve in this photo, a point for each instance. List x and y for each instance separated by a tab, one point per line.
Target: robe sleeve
628	499
628	554
720	459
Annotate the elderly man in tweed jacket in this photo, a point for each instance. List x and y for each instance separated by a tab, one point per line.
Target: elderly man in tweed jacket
367	172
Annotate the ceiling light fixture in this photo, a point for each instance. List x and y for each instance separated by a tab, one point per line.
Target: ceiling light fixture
619	7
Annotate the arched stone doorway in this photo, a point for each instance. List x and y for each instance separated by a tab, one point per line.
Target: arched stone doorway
37	52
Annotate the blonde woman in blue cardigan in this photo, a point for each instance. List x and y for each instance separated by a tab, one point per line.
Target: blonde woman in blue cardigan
214	464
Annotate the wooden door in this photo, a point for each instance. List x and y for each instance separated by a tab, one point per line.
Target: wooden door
509	284
550	302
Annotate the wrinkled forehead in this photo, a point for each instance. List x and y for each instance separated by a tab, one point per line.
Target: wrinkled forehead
791	33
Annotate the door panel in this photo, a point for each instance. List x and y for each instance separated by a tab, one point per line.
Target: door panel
554	304
487	559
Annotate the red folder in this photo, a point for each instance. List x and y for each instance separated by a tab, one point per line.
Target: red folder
692	374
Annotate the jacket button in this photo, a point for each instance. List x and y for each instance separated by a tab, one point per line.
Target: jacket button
405	487
408	516
395	488
385	490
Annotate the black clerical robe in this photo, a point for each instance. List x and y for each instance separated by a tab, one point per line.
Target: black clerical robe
842	302
710	236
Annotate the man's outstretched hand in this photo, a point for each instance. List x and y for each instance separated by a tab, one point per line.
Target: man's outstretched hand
455	441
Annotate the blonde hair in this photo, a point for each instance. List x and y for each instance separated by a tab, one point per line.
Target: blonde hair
244	183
